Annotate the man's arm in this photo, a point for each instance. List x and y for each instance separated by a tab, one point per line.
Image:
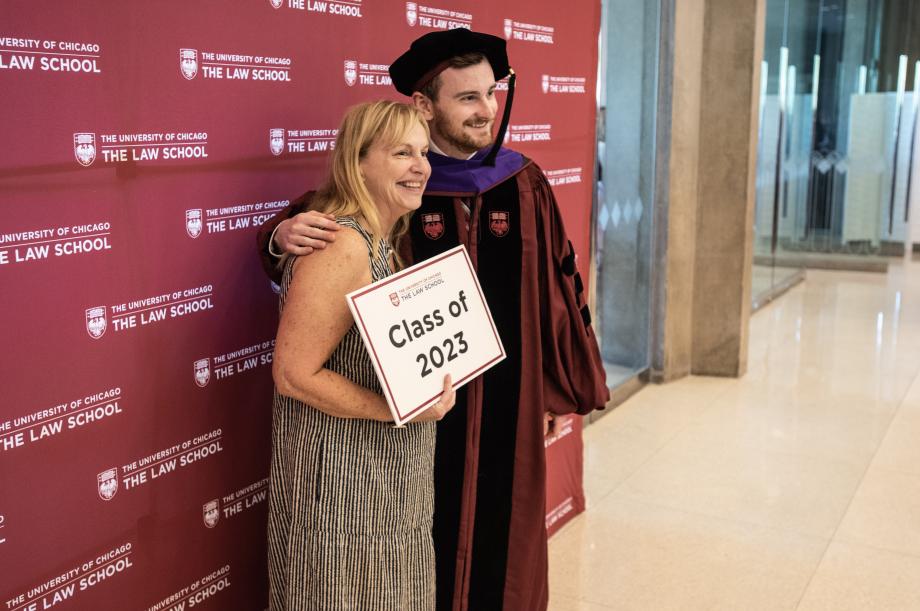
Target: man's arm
574	379
295	229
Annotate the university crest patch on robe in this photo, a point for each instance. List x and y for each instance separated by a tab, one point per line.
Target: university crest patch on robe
433	225
499	223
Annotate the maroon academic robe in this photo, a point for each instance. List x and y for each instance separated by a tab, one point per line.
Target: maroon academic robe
490	470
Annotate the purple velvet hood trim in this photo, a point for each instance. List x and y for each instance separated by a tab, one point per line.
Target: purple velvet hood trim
469	176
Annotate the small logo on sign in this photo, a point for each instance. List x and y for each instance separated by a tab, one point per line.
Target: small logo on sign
498	223
107	483
211	513
276	141
394	299
433	225
351	72
188	63
96	322
202	372
84	148
411	13
193	222
545	83
508	29
276	3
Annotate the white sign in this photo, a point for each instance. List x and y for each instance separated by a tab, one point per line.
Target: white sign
422	323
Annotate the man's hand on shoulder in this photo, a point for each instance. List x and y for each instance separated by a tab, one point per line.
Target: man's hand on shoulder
305	232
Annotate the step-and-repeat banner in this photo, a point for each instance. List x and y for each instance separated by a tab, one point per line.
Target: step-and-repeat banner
142	144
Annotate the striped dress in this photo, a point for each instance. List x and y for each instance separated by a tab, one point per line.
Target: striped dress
351	501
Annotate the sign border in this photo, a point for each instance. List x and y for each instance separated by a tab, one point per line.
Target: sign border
399	417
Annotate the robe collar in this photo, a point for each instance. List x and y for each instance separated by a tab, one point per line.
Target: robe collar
450	176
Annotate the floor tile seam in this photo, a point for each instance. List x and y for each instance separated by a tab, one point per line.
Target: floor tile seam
584	599
888	470
721	518
808	404
799	456
862	479
869	457
664	442
878	548
894	415
838	540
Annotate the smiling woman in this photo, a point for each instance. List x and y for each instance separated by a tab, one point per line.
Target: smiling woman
350	495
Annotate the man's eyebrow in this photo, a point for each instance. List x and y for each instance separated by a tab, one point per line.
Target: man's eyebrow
473	91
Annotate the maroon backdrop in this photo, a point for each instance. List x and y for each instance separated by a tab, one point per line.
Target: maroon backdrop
143	142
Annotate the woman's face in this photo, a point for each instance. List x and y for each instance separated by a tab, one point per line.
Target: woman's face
396	174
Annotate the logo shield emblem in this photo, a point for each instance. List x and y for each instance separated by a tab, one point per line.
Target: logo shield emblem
188	63
202	372
498	223
433	225
276	3
276	140
394	299
411	13
84	148
96	322
508	29
210	512
107	484
193	222
351	72
545	83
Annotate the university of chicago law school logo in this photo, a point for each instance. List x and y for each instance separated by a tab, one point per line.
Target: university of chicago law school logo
96	321
193	222
433	225
498	223
411	13
545	83
188	63
276	3
394	299
508	29
210	512
351	72
202	372
84	148
107	484
276	141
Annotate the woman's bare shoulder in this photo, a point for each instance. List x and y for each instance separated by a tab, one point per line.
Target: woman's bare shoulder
346	257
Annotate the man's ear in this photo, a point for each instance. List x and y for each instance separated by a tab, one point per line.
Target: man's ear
424	105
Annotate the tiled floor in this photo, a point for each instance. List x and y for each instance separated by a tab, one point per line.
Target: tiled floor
795	487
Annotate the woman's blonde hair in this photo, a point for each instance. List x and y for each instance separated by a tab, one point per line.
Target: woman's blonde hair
344	193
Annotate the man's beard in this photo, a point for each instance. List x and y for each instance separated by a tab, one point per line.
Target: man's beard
458	138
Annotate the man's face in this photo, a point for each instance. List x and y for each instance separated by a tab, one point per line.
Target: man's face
462	118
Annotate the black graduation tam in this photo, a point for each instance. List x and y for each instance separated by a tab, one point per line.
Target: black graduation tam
428	56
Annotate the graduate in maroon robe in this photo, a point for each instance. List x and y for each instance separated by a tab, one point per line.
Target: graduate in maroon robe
490	472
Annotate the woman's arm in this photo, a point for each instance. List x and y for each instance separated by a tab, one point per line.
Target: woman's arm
314	321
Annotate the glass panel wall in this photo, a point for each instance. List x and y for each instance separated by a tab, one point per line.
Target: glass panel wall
837	119
627	86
